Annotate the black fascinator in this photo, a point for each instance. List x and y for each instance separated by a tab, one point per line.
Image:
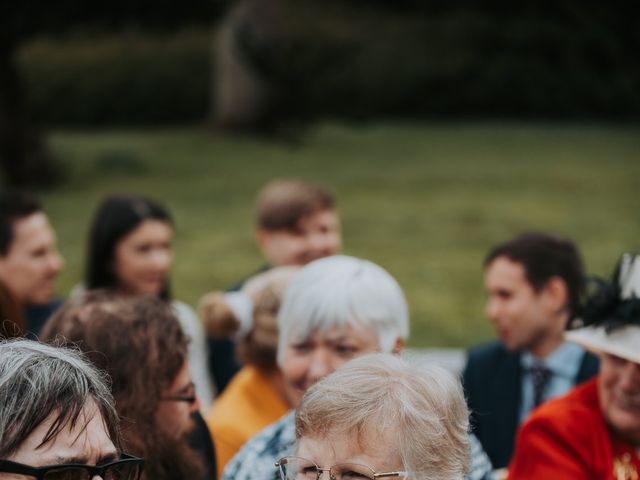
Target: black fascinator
612	304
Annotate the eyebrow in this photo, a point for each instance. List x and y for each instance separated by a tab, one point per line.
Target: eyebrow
83	459
341	338
187	387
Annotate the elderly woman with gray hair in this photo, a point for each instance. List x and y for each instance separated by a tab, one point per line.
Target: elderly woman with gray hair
379	417
333	310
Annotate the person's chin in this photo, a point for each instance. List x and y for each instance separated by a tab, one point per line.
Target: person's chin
152	289
42	298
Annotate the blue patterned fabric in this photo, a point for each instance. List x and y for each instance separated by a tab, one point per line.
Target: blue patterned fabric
256	460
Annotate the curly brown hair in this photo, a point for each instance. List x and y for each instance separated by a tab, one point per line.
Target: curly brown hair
140	344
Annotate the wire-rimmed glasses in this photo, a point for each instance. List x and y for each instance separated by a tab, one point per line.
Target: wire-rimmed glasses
298	468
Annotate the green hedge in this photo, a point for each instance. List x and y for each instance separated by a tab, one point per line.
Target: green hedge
353	59
124	79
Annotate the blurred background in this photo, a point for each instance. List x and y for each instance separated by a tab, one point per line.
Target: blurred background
442	128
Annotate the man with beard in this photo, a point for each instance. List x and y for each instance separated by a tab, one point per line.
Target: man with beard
57	418
29	262
140	344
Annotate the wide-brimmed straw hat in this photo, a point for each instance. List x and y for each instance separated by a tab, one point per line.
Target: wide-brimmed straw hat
610	315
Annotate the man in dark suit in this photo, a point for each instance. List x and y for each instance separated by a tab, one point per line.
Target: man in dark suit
533	286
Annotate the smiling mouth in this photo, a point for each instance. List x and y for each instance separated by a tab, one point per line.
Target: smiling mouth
629	403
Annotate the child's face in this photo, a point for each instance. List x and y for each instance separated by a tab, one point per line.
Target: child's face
316	235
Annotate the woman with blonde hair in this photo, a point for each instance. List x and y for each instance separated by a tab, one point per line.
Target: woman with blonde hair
377	416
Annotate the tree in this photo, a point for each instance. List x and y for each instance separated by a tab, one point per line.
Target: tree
25	156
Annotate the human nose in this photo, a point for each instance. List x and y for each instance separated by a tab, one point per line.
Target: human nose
320	366
630	379
162	258
56	261
322	471
491	308
318	240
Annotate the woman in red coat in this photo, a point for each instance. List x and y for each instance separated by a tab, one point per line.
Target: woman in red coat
594	431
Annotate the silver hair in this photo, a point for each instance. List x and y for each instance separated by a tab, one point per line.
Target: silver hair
421	412
342	291
38	380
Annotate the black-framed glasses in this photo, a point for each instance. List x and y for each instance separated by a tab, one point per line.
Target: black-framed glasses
189	397
127	468
298	468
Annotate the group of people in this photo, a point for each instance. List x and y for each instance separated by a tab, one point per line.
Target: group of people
296	371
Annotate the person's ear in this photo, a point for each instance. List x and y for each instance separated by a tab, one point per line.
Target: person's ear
398	347
556	294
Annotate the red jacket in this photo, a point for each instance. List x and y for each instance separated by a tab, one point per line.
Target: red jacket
568	439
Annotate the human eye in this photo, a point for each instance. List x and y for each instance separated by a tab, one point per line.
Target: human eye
346	349
301	347
66	473
504	294
308	471
353	475
352	472
39	252
188	390
305	470
143	248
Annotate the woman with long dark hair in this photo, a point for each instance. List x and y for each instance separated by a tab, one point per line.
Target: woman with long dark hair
130	252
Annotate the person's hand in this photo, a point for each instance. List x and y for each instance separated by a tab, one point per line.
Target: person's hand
217	316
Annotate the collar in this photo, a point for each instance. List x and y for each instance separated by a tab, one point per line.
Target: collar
564	361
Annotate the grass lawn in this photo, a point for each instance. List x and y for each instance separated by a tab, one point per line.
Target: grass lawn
426	201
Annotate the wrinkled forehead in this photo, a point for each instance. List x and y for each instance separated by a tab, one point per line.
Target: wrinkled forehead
367	444
62	439
332	331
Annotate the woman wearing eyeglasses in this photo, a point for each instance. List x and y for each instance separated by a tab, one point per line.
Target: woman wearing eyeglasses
334	310
140	344
378	417
57	417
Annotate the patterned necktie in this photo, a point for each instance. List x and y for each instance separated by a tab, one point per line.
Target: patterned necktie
540	376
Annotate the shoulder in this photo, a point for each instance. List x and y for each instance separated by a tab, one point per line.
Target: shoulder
182	309
188	319
487	350
231	407
567	414
564	438
256	459
239	284
480	466
487	356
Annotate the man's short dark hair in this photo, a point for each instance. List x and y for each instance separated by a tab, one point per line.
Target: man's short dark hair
543	257
283	202
14	205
